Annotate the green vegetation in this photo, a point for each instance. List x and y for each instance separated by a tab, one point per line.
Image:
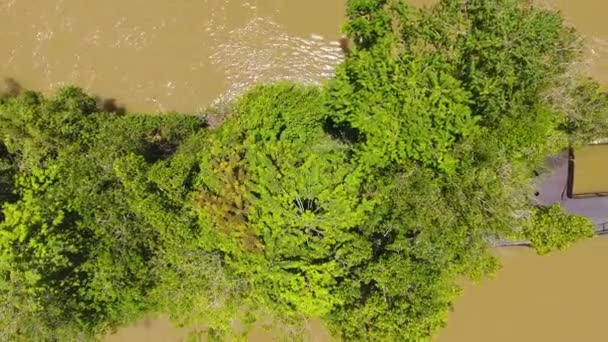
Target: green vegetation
552	228
360	202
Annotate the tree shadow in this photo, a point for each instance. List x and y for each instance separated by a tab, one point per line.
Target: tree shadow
345	45
11	88
109	105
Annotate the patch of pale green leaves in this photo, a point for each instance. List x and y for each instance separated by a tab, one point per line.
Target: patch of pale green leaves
552	228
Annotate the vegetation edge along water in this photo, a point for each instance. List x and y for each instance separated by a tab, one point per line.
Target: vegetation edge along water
361	201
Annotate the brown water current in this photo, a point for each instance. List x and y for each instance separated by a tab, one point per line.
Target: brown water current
184	55
167	55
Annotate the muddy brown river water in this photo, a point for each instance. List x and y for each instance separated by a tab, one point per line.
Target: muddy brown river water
184	55
167	55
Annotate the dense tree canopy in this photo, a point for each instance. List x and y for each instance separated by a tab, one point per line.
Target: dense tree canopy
360	202
73	249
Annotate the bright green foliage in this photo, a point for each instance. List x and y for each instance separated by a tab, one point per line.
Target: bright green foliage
407	109
360	202
454	172
74	253
296	223
585	105
552	228
505	53
420	245
398	106
191	284
8	170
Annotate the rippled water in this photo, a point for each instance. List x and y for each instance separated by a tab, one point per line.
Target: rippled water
168	55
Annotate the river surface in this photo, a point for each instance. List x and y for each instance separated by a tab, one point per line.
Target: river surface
183	55
180	55
558	297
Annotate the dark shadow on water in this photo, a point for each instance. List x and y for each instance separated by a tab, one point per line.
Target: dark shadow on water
11	88
345	45
109	105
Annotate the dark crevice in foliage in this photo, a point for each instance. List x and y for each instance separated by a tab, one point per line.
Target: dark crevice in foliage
8	171
308	205
343	131
158	150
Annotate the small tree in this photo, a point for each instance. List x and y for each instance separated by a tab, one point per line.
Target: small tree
551	228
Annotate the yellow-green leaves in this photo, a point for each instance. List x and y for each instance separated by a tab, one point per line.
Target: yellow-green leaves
554	229
408	108
361	201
